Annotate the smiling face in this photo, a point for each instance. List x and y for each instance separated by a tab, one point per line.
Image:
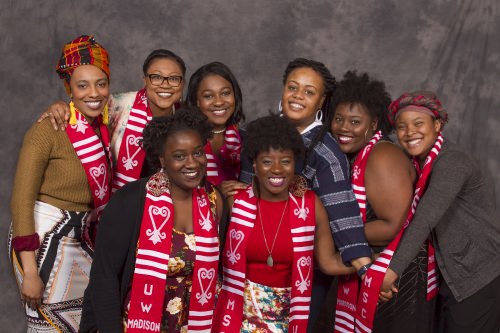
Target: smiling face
183	160
274	170
352	126
215	98
162	98
417	132
90	90
303	95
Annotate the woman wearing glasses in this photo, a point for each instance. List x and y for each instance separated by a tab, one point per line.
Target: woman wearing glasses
130	112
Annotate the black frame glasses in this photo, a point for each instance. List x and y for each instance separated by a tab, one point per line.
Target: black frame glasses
173	80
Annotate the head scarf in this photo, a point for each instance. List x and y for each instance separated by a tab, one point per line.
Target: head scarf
421	101
83	50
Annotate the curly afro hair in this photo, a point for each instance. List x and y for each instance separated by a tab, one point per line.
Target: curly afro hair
160	129
274	132
370	93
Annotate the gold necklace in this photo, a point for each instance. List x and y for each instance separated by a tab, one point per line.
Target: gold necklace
219	131
270	261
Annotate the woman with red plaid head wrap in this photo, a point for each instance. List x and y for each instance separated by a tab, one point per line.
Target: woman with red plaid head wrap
453	206
130	112
62	183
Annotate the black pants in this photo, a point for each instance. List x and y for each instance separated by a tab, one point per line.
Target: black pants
479	313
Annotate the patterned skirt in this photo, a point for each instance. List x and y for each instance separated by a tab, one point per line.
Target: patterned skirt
63	259
265	309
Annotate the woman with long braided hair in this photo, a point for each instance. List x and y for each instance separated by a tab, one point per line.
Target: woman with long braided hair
305	102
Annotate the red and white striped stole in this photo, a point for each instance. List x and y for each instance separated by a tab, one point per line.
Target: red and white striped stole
131	155
95	156
229	310
153	253
228	166
347	291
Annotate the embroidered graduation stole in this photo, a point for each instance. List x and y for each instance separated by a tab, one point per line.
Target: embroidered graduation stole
131	155
347	291
229	156
229	311
153	253
95	155
370	286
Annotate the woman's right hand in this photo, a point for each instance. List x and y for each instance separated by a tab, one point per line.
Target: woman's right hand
32	290
230	187
58	114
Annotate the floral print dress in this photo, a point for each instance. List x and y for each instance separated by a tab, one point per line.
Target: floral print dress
178	286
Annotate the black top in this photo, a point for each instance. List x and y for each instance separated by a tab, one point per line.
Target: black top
114	258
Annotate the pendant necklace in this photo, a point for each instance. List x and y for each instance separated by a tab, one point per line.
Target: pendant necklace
270	261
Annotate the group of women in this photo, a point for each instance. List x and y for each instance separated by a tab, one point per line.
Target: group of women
175	218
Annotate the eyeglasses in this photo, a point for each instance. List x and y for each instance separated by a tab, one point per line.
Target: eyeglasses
157	80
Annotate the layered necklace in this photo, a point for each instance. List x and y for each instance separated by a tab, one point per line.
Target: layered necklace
270	261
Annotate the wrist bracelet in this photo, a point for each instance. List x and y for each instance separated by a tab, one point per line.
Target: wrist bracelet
363	270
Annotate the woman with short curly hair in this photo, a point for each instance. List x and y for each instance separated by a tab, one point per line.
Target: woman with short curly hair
156	257
278	229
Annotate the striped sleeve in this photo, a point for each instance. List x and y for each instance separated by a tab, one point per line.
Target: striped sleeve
327	170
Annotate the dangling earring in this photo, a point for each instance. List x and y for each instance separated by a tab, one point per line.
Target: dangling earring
280	107
173	109
319	115
72	111
366	132
105	115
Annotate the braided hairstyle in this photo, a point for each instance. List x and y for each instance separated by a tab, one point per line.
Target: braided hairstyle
157	132
329	85
220	69
371	94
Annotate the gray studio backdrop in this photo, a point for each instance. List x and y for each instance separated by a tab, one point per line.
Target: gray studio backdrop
452	47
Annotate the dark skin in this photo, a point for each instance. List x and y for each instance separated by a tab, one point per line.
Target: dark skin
389	175
281	164
184	162
389	179
411	126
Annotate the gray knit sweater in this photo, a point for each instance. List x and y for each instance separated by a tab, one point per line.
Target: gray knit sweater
458	208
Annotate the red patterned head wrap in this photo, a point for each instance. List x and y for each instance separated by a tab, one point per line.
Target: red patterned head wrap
83	50
422	101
